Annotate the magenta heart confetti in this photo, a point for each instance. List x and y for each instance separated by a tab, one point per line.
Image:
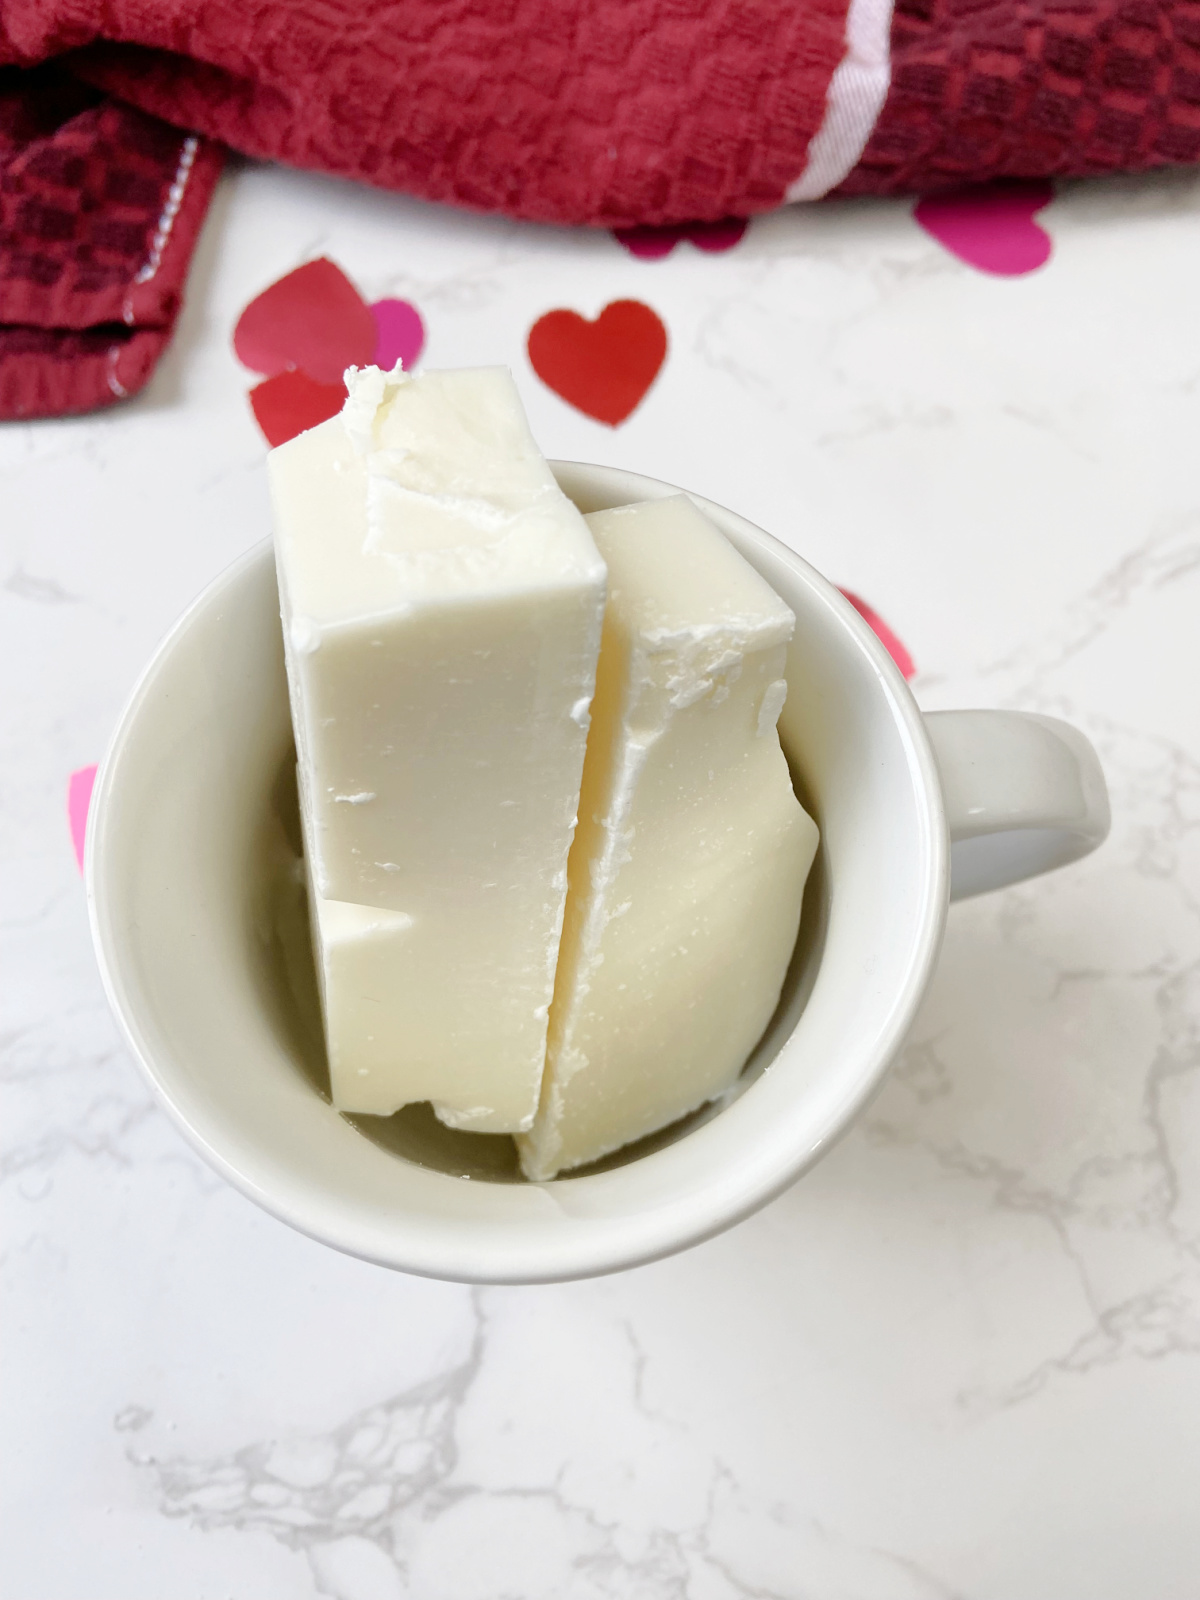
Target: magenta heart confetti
991	226
651	244
401	334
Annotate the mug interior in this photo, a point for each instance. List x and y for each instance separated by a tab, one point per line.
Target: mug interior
200	929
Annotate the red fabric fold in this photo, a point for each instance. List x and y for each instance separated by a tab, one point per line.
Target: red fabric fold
100	206
986	89
606	112
613	113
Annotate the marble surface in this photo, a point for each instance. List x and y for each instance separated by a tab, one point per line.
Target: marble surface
960	1358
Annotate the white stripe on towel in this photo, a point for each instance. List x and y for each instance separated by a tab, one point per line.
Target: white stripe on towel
853	100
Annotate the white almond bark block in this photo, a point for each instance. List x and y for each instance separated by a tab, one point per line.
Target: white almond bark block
442	603
689	863
389	1030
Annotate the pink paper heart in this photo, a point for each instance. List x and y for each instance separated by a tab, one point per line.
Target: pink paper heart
401	334
885	635
651	244
79	798
991	226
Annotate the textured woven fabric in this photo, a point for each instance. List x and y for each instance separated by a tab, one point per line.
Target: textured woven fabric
1033	88
610	112
615	113
99	209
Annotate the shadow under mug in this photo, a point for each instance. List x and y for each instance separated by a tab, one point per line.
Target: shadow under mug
197	920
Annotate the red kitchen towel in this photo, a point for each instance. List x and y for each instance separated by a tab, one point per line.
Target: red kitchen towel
606	112
100	205
1033	88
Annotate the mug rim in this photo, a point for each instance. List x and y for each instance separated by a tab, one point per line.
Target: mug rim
610	1240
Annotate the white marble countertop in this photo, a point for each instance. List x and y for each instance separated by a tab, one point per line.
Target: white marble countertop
961	1357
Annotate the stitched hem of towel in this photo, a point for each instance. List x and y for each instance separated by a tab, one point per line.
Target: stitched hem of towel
54	372
100	209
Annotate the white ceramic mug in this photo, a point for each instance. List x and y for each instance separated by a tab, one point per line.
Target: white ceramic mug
187	839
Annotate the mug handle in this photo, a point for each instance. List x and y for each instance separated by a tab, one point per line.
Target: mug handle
1023	794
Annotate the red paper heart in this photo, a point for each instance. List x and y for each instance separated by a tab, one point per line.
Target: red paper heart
292	402
887	638
314	319
990	226
602	368
651	244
